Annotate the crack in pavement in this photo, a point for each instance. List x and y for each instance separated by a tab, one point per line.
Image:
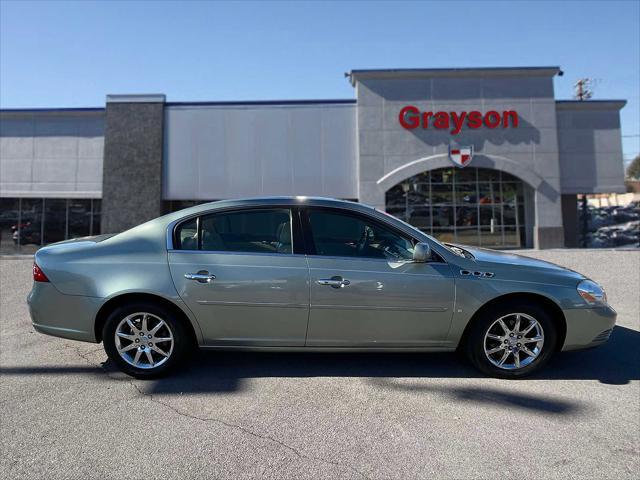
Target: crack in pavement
150	396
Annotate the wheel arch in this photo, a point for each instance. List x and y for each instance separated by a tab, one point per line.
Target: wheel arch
131	297
548	304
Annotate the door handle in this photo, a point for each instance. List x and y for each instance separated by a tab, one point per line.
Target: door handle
201	277
334	282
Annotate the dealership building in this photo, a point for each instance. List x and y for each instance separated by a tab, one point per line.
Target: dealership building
482	156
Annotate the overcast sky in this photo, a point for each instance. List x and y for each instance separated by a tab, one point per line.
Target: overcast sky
67	54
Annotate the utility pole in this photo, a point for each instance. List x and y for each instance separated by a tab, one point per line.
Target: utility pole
582	89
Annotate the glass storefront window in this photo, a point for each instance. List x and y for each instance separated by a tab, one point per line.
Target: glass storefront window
466	216
441	194
96	206
79	218
9	214
467	175
55	220
28	223
475	206
466	193
468	236
442	175
29	231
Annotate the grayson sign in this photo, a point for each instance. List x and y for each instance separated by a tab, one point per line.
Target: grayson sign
411	117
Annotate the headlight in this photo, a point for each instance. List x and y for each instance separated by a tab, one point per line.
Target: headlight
592	293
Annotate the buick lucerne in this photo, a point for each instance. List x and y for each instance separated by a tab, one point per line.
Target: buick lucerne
308	274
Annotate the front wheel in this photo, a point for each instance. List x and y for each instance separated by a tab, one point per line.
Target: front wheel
144	340
511	341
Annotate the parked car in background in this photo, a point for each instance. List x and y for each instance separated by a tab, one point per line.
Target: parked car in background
309	275
610	226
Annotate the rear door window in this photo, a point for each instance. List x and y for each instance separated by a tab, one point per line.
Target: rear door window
250	231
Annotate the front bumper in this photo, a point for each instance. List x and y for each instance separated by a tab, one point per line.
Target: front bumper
60	315
588	327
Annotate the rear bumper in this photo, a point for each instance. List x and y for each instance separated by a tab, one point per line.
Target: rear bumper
588	327
60	315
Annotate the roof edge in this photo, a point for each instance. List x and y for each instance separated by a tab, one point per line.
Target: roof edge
590	104
137	98
331	101
355	75
52	110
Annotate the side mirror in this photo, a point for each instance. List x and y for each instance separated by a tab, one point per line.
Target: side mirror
422	252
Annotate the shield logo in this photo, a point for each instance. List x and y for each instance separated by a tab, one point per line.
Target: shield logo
461	156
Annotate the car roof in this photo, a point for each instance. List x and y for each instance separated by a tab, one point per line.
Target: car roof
276	201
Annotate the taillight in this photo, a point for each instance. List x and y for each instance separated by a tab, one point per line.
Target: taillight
38	274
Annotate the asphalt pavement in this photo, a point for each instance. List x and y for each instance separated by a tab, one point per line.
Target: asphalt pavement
65	412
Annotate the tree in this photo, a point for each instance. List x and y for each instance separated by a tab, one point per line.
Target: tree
633	170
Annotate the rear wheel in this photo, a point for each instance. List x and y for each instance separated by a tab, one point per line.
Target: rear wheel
144	340
511	341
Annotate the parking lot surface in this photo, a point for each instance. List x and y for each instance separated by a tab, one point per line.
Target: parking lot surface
66	413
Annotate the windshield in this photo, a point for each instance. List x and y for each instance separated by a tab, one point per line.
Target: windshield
455	249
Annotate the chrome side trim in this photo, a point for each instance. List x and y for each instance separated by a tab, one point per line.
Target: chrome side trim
252	304
390	309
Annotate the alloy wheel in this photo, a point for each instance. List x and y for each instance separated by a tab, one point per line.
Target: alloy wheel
513	341
144	340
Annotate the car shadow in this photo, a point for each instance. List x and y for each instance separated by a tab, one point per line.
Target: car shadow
616	362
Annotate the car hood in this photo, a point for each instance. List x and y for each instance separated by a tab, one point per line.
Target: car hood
486	257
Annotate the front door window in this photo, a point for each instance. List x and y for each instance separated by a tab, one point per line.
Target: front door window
339	234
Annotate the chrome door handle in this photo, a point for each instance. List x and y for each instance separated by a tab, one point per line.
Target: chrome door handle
334	282
201	277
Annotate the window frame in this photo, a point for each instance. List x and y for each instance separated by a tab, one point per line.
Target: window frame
297	241
308	232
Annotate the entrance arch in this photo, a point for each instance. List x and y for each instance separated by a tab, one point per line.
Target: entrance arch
474	206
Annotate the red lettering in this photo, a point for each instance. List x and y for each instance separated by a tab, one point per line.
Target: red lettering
488	119
458	120
409	117
509	114
474	119
442	120
425	119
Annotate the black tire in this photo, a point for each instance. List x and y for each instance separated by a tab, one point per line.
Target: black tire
181	340
474	345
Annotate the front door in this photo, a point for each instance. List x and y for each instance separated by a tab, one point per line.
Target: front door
238	273
366	291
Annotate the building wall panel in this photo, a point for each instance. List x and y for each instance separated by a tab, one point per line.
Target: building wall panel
221	151
51	154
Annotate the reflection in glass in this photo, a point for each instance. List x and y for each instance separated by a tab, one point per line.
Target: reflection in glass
468	236
466	193
457	202
55	220
420	217
9	213
442	217
29	229
491	237
28	223
79	218
466	216
442	175
441	194
95	227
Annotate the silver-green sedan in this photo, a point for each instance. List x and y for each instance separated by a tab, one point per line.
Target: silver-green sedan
308	274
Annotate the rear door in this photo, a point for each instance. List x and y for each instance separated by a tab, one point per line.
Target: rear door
365	289
241	274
